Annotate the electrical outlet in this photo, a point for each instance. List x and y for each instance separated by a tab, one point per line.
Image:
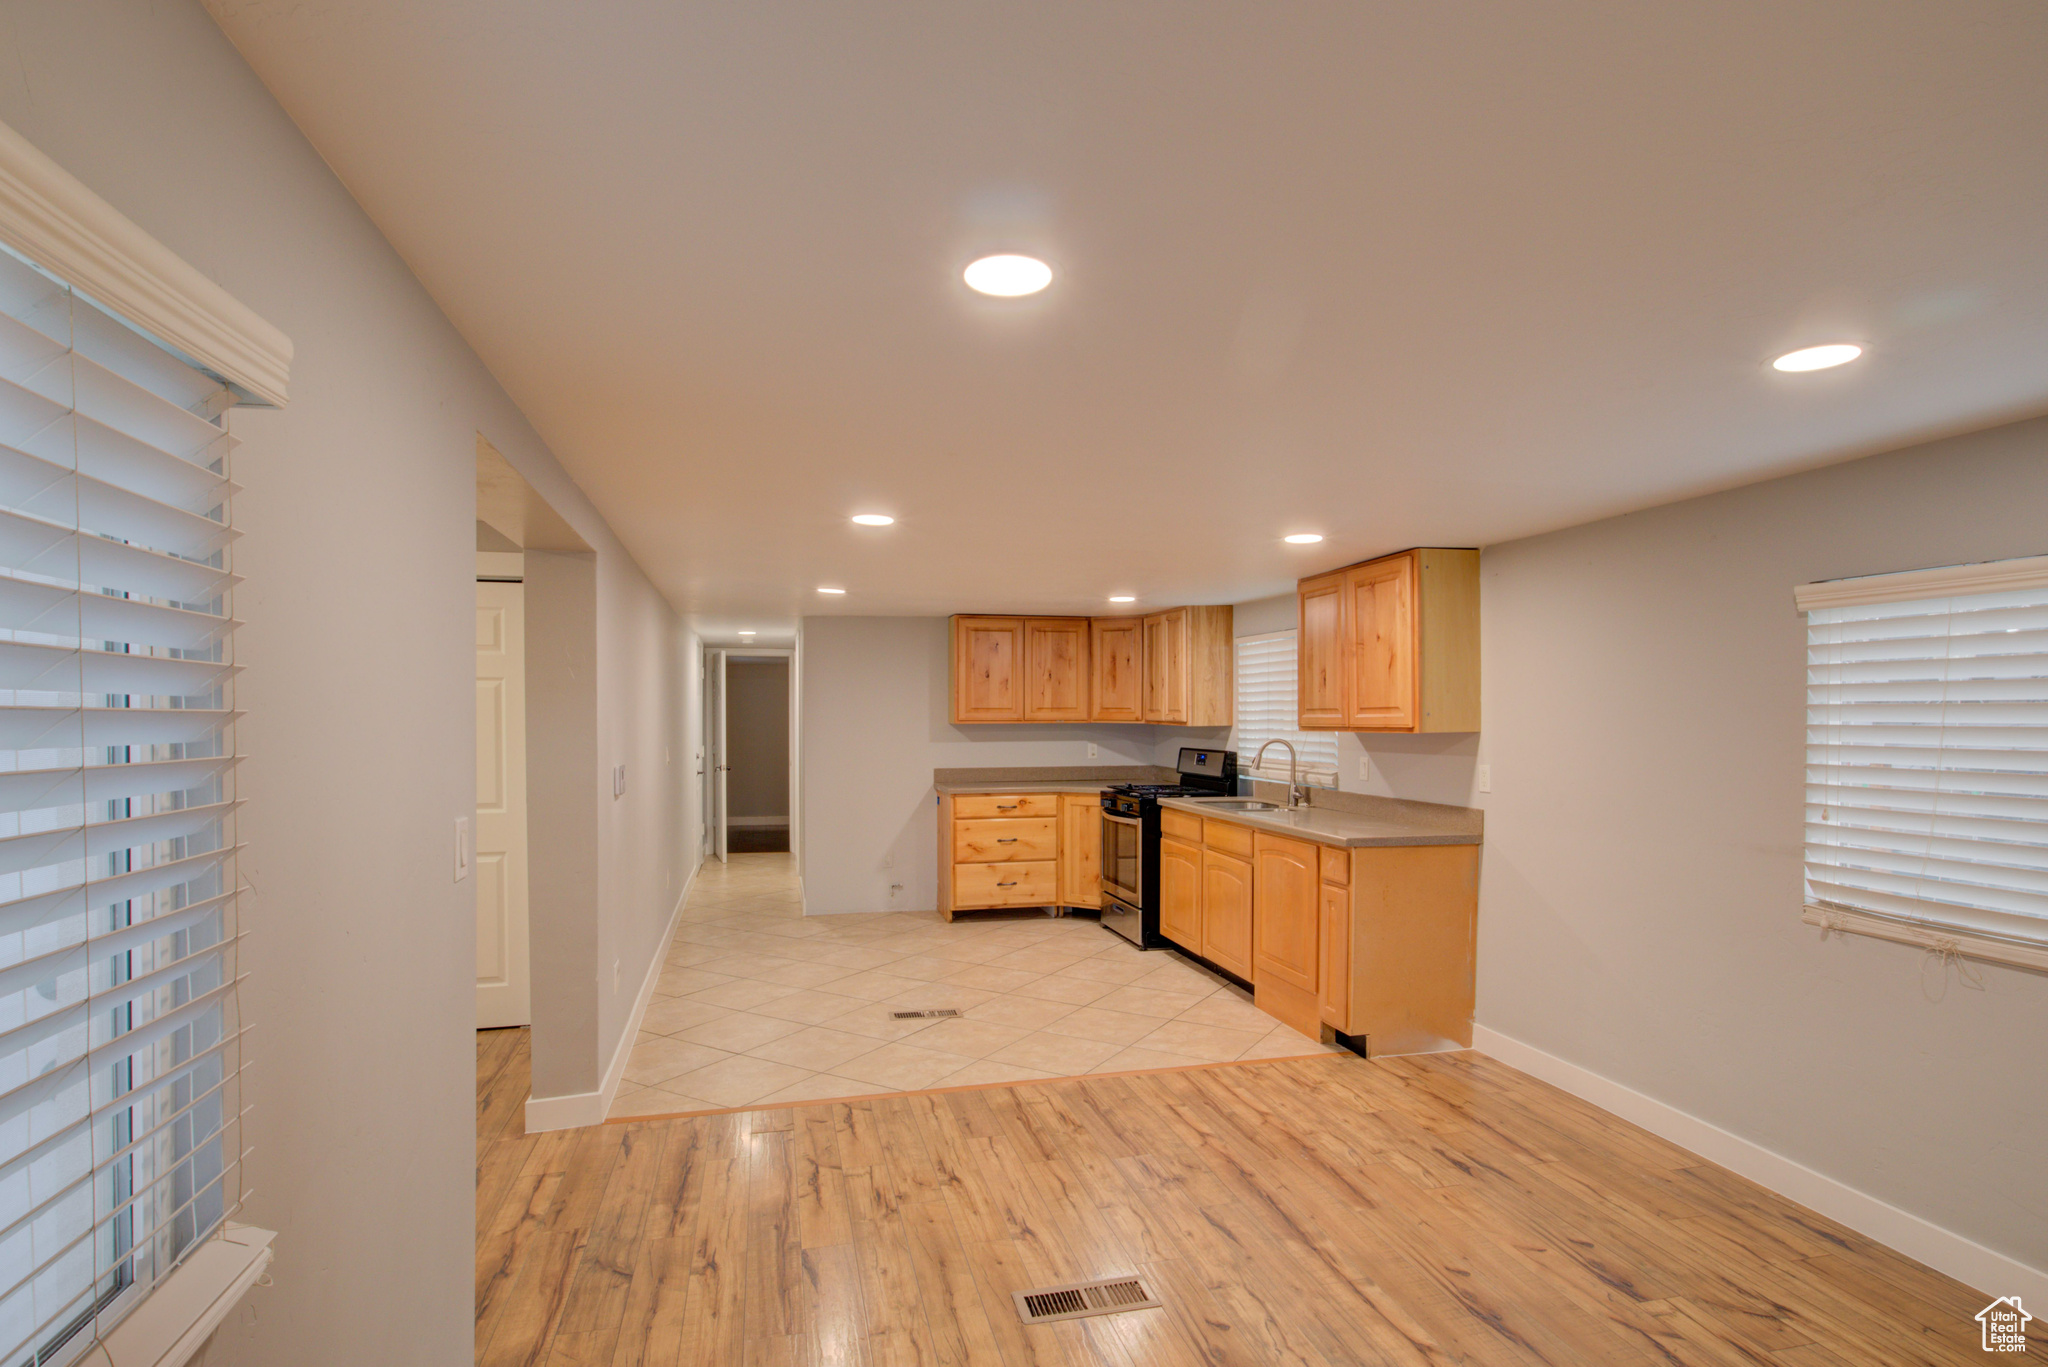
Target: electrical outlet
1091	749
465	852
1486	778
888	861
1365	766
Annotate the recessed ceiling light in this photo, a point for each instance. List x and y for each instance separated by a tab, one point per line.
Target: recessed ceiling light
825	590
1818	357
746	633
1303	538
1007	277
873	519
1122	598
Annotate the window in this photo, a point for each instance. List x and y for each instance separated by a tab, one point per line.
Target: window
1927	758
119	1027
1266	711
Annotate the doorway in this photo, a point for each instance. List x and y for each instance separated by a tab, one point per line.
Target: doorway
504	982
749	727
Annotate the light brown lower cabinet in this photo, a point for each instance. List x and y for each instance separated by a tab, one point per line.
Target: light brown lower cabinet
1080	850
1019	850
1286	924
1398	975
1180	893
1227	912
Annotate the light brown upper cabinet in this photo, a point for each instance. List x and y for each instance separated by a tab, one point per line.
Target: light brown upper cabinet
1117	663
1056	669
1188	667
1391	645
1172	668
988	677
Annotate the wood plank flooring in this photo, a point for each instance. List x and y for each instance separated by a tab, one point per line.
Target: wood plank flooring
1411	1211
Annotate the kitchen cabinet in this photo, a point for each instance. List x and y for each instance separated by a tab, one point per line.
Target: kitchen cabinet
1080	853
1117	669
1319	652
1391	645
1020	849
988	658
1180	893
1172	668
1188	660
1056	670
1286	922
1399	976
1227	911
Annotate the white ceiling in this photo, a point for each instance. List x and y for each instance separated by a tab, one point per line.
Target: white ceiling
1441	273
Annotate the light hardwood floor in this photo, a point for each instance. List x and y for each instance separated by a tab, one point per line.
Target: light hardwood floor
1431	1210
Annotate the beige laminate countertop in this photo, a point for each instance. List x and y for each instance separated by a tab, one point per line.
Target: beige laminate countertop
1028	786
1327	827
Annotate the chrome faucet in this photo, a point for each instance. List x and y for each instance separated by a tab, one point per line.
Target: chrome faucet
1297	795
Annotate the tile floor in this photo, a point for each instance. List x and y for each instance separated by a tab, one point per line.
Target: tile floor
759	1004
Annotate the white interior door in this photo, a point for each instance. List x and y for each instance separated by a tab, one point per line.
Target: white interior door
721	765
504	986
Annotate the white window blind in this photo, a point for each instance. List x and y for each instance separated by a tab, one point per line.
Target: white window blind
1927	758
1266	710
119	1027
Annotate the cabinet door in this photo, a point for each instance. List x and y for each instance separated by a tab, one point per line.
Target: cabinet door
1335	973
1166	668
1117	663
1055	669
1286	906
1180	893
1227	912
1319	665
988	663
1379	630
1080	850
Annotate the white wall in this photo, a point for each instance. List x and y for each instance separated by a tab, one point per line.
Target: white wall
875	707
359	519
1639	912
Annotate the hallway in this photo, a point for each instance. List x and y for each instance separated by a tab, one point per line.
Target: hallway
758	1004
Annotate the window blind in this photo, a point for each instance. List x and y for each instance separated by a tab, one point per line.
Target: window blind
1266	705
1927	755
119	1027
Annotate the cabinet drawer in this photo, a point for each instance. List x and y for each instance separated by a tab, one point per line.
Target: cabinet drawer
1222	835
1005	885
1336	866
1015	804
1006	839
1180	825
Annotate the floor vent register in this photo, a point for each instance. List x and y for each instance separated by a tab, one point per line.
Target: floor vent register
920	1015
1077	1299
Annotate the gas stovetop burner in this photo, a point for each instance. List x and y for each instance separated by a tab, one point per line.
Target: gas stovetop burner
1161	790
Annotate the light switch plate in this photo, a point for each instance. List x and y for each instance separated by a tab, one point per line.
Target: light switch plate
618	780
1091	749
1486	778
465	852
1365	766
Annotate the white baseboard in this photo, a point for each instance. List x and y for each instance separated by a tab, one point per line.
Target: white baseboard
1990	1271
589	1108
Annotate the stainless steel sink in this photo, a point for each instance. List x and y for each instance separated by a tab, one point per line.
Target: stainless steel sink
1243	805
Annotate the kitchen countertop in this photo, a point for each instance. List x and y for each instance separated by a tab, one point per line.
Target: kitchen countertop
1327	826
1029	786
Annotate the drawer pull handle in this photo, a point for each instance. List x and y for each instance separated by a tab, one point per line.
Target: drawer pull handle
1006	807
1007	840
1011	884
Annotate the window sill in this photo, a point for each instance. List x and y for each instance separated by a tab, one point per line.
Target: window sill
1928	937
181	1313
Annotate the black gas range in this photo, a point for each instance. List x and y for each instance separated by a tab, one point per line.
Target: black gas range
1130	840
